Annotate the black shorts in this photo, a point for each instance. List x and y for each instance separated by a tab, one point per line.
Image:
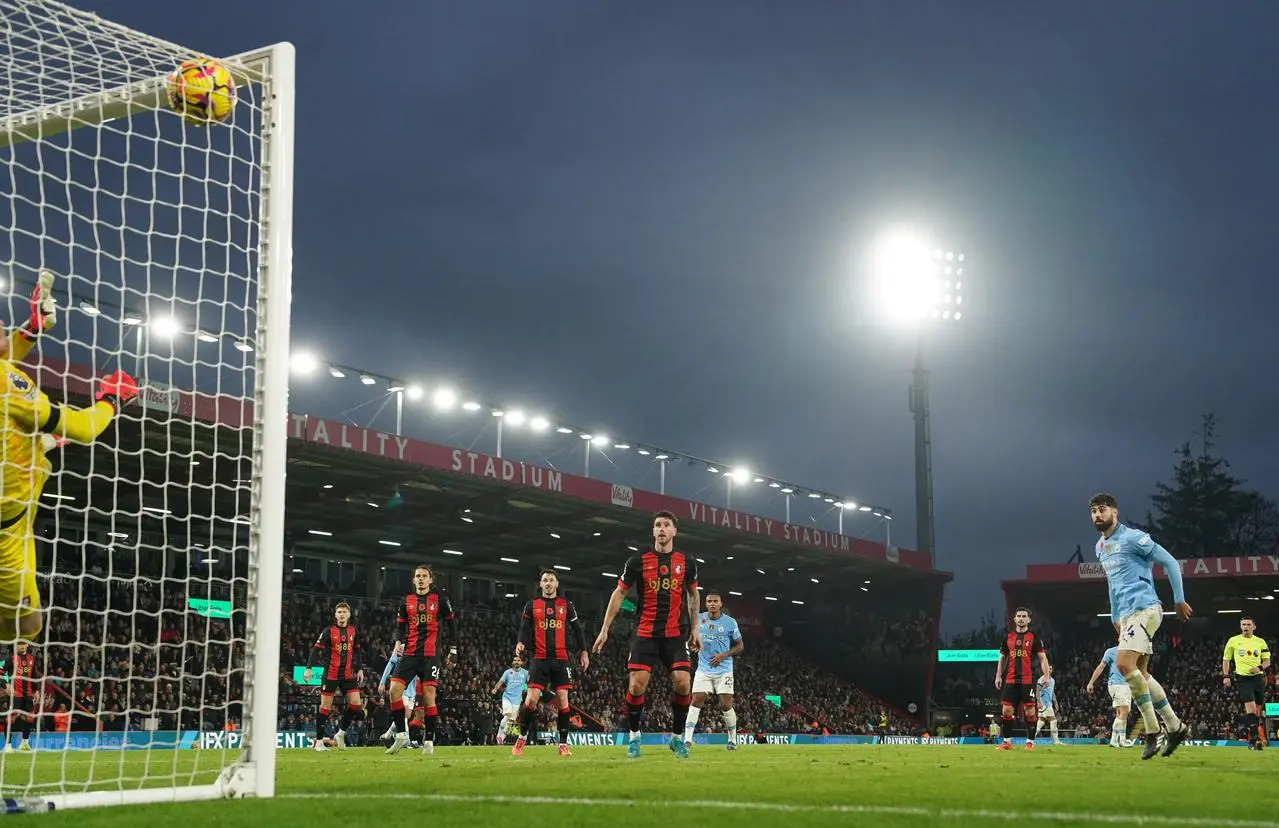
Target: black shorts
548	674
424	668
1017	695
26	704
1250	688
339	687
669	653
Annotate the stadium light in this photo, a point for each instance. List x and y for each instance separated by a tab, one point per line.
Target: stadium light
516	417
539	424
395	386
740	476
303	362
414	392
89	309
915	281
444	399
367	379
599	440
165	327
471	405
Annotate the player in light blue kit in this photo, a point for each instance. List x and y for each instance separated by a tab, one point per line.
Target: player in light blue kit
1047	691
1129	557
409	697
515	680
721	640
1120	696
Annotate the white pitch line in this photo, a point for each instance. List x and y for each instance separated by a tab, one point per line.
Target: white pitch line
872	810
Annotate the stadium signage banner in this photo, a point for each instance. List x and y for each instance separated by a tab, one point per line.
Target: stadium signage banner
513	472
160	396
222	740
1247	567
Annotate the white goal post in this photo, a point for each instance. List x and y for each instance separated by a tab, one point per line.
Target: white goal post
171	245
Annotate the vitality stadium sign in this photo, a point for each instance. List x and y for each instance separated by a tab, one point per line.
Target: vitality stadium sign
1244	566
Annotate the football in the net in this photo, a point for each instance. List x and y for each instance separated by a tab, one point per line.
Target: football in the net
202	91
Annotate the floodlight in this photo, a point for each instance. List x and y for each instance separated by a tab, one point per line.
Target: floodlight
414	392
741	476
911	277
303	362
515	418
444	399
164	326
539	423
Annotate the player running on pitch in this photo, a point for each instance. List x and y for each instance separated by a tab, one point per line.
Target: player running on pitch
548	624
30	426
721	640
1120	696
343	674
1047	692
1249	656
666	632
418	641
1015	678
513	684
1129	557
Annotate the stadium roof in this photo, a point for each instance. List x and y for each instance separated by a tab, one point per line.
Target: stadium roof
1214	586
361	494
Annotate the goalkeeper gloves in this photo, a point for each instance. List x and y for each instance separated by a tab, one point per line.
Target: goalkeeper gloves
117	388
44	313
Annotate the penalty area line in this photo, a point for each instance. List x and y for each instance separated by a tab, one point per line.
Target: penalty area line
785	807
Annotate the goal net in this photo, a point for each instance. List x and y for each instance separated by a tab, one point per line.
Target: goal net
156	547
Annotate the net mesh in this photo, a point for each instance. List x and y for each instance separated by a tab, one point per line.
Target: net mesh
141	539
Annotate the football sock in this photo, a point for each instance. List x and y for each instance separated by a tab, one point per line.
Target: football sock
321	719
1160	700
730	722
432	716
561	721
1141	698
679	712
634	712
1052	729
1118	730
690	723
397	714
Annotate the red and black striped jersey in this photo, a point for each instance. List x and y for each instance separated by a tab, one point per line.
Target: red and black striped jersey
419	620
664	579
1020	649
24	675
546	627
340	646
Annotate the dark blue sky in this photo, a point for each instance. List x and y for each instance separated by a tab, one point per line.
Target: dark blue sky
650	216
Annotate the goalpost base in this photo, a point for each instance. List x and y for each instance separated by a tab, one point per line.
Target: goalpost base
236	782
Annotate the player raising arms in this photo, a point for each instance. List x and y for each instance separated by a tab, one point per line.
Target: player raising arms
515	682
544	629
22	697
343	674
1120	696
1047	691
721	640
418	641
666	606
1250	658
1129	557
27	418
1015	677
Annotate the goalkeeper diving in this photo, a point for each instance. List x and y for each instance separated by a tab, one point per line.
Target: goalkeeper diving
30	426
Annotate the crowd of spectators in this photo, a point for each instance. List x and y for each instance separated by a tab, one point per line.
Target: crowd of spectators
120	651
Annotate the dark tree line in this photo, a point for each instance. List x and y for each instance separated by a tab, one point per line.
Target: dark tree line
1205	511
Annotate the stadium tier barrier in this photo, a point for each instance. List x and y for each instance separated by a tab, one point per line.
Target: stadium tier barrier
304	740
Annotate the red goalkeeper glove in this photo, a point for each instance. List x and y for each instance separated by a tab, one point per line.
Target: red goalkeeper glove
44	313
117	388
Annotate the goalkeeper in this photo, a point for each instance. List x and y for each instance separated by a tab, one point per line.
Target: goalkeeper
29	425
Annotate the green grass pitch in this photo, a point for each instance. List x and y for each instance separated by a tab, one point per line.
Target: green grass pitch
881	786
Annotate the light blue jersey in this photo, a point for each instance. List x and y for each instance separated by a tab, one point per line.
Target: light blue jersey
515	683
1110	659
1129	557
1046	692
410	689
718	636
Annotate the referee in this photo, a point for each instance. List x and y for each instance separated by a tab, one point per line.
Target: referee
1251	658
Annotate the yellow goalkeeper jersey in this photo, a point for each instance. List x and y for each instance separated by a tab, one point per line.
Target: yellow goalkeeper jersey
26	413
1247	653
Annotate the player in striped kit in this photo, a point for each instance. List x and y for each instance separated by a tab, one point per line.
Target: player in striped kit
1015	678
421	619
551	634
343	674
22	696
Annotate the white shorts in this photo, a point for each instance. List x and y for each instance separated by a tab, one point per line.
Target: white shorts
1048	713
720	685
1137	631
1120	695
509	709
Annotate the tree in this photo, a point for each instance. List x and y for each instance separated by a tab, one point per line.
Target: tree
1206	511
